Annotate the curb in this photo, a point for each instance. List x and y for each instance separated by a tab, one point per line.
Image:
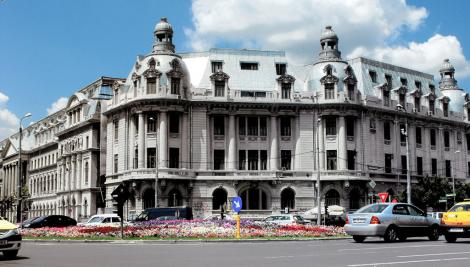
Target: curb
141	241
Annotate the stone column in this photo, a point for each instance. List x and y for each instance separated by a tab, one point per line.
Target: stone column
274	157
342	149
73	181
141	144
184	142
298	145
232	143
321	144
163	146
131	142
79	171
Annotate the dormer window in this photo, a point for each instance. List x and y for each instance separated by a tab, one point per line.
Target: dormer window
404	82
216	66
175	86
402	100
350	92
445	108
373	76
417	104
386	98
151	85
249	65
329	91
388	79
152	63
219	88
285	90
431	106
281	68
432	88
418	85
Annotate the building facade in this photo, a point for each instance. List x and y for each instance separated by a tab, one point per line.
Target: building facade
196	129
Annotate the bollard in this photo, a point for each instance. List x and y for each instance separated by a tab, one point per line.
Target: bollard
237	218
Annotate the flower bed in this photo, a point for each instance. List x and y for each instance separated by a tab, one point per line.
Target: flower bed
195	229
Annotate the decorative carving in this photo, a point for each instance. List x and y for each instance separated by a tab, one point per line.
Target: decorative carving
152	73
350	77
401	90
329	77
286	78
137	65
219	76
417	93
135	77
445	99
151	63
116	85
432	96
176	71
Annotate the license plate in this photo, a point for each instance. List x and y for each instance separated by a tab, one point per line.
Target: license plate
361	220
3	242
456	230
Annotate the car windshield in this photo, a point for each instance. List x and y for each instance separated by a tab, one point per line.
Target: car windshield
95	220
142	216
374	208
460	207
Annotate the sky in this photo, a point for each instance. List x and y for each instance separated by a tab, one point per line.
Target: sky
51	48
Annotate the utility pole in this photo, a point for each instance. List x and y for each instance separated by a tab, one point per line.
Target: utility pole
318	174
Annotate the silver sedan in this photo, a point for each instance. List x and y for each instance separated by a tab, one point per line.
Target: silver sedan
391	221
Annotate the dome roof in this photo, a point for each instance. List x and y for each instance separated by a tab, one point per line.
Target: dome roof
163	25
328	33
447	66
457	99
318	71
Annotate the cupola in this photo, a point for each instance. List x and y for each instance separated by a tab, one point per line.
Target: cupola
163	34
329	45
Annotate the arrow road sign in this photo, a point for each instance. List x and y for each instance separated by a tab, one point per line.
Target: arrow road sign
237	204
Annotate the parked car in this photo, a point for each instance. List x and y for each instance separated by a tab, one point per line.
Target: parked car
28	221
216	217
10	239
391	221
51	221
456	222
182	213
285	219
103	220
167	218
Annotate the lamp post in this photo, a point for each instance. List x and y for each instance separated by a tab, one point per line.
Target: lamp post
156	163
19	208
453	176
318	174
408	172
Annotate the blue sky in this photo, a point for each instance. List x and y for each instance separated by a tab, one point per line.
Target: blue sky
51	48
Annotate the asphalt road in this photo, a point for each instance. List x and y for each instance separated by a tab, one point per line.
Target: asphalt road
373	252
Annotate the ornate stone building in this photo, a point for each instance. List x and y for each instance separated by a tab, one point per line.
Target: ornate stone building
199	128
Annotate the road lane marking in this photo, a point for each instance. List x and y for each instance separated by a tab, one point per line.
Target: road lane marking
378	248
406	262
316	255
436	254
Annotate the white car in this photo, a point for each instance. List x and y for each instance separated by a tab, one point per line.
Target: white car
215	217
103	220
286	219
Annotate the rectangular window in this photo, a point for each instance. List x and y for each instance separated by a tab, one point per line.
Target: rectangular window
351	159
403	134
445	107
219	159
136	159
417	104
434	167
151	86
87	142
116	130
329	91
448	169
350	127
388	163
249	65
419	165
263	155
467	139
432	136
219	125
404	81
174	122
373	76
351	92
151	123
219	88
418	136
387	131
116	162
216	66
286	159
286	88
252	160
446	139
174	158
431	106
403	165
175	86
388	79
242	159
242	125
253	126
331	159
402	100
263	128
280	68
285	126
330	126
151	157
386	98
418	85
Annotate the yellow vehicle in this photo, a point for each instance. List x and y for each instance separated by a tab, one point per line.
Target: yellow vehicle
456	222
10	239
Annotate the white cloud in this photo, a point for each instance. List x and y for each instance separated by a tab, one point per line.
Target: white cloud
295	26
427	56
57	105
9	122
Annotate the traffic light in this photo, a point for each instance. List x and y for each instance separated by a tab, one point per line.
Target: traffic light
121	195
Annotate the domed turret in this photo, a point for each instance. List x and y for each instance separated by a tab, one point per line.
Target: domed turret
329	45
449	87
163	37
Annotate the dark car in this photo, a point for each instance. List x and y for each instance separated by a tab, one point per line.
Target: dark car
181	213
50	221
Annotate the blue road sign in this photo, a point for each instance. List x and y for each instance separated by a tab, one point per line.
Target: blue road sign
236	204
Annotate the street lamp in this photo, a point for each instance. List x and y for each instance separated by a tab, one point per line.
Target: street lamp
318	174
408	172
156	163
19	209
453	176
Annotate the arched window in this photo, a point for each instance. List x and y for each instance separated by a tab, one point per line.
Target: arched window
149	198
332	198
219	198
175	198
254	199
354	199
86	173
288	198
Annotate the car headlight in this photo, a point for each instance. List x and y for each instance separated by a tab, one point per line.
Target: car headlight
15	231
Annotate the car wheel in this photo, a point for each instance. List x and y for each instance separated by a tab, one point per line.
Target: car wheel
358	238
11	254
450	238
391	234
434	233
